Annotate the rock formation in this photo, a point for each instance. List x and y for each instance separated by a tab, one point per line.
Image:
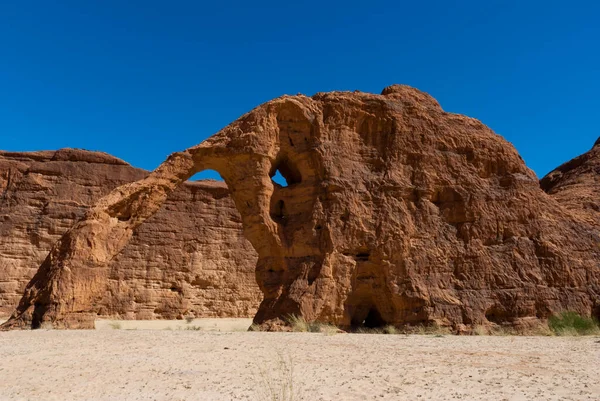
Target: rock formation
189	259
395	212
576	185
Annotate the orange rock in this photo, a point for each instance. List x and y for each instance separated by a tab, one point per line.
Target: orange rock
190	259
576	185
396	213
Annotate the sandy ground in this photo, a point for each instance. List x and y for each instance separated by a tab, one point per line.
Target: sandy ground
196	324
179	364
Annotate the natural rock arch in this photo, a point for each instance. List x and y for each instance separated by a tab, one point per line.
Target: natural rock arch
396	212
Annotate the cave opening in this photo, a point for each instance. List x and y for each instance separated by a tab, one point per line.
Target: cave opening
278	211
367	318
38	315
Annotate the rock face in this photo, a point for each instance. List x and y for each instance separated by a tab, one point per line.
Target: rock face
188	259
576	185
395	212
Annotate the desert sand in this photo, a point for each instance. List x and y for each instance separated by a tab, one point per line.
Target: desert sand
184	362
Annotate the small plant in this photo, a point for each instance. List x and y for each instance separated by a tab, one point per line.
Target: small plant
46	326
299	324
390	329
255	327
433	329
573	324
115	325
194	328
480	330
503	331
277	383
328	329
189	319
369	330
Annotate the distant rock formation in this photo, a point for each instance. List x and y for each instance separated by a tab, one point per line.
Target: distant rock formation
190	259
395	212
576	185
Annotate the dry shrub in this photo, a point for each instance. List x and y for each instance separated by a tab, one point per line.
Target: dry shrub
277	382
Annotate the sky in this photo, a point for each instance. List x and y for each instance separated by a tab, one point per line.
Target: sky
143	79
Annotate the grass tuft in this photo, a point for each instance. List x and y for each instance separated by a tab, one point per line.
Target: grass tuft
300	325
432	329
573	324
115	325
277	383
255	327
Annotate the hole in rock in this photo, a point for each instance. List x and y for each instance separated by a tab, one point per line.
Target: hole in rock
278	178
284	173
373	319
362	257
496	315
367	318
38	315
176	288
278	211
124	218
206	175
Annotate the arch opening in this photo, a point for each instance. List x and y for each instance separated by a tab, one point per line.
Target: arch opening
284	173
207	174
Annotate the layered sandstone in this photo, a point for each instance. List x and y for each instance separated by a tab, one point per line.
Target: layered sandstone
396	213
189	259
576	185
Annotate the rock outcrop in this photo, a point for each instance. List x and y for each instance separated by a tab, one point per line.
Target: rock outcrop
576	185
189	259
395	212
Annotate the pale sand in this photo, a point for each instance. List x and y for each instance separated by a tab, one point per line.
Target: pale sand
197	365
196	324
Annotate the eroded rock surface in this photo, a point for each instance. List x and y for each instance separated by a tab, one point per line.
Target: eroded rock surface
576	185
396	213
189	259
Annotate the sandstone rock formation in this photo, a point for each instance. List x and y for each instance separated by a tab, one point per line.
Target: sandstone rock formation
189	259
576	185
396	212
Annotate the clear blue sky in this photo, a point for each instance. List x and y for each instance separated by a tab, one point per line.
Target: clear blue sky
142	79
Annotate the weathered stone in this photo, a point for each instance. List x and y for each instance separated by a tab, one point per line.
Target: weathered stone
189	259
576	185
396	213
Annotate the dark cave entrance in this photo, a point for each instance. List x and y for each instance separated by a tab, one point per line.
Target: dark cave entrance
38	315
366	317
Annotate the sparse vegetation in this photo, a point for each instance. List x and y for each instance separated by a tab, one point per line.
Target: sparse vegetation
573	324
46	326
368	330
254	327
432	329
189	319
299	324
276	383
194	328
115	325
480	330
